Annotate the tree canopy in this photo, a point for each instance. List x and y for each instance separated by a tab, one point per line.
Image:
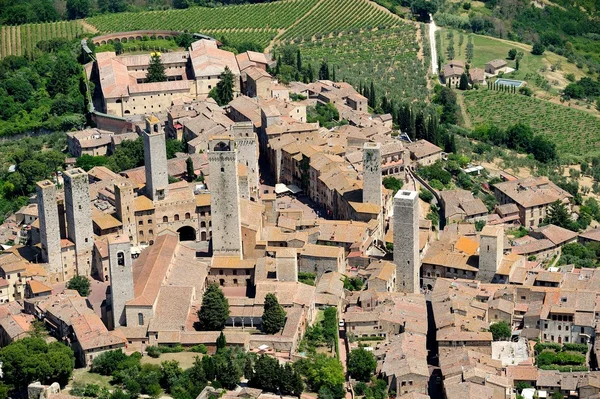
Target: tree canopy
223	92
361	364
32	359
215	309
270	376
273	318
156	69
500	331
81	284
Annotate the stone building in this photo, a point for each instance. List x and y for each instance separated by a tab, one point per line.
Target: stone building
490	252
155	160
49	229
224	187
406	241
121	279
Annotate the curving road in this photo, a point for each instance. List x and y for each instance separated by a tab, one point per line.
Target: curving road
434	57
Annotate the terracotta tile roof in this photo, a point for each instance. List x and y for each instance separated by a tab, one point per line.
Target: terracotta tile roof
322	251
532	191
556	234
37	287
423	148
104	221
466	245
522	373
497	63
203	200
143	203
150	268
208	60
92	333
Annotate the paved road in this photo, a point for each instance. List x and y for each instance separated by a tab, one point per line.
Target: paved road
434	57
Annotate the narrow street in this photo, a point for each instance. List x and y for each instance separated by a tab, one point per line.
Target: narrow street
434	57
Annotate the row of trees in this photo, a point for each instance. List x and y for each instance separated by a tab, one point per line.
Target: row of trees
517	137
214	312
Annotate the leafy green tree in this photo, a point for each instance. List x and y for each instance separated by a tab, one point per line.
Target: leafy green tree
361	364
78	8
184	40
156	69
512	53
80	284
538	48
353	283
32	359
325	372
392	183
215	309
558	215
273	318
229	376
223	92
425	195
500	331
170	374
118	47
108	362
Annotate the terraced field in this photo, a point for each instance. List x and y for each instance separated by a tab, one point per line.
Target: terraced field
574	131
387	56
276	15
22	39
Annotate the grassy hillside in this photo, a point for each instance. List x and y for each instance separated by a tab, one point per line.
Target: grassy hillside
535	69
22	39
575	132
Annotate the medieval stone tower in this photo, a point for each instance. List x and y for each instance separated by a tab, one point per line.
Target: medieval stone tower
155	160
406	241
125	207
121	277
246	143
79	218
372	173
224	196
286	264
49	227
491	247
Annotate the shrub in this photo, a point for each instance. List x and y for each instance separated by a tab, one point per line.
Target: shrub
425	195
153	351
199	349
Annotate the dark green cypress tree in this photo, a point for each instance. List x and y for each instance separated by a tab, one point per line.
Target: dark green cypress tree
372	97
298	60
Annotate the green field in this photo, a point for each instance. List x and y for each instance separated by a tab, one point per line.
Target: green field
575	132
21	40
334	16
387	56
277	15
488	48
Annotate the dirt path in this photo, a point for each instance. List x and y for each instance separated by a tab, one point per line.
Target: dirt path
463	110
88	27
282	31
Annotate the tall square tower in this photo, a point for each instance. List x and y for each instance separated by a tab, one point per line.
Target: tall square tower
406	241
79	218
372	182
491	247
155	160
121	277
125	207
49	228
224	196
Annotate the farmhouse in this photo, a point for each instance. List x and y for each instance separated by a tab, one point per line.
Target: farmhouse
452	72
532	196
424	153
495	66
477	76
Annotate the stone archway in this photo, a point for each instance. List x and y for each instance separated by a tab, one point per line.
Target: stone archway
187	233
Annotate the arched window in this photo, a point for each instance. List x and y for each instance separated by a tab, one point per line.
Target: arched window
140	319
121	258
176	217
187	215
165	219
202	224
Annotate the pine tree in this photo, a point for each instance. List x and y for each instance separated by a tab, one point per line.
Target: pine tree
189	164
372	97
214	311
298	60
420	128
278	66
324	71
221	342
464	82
156	70
224	90
311	74
333	74
273	318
